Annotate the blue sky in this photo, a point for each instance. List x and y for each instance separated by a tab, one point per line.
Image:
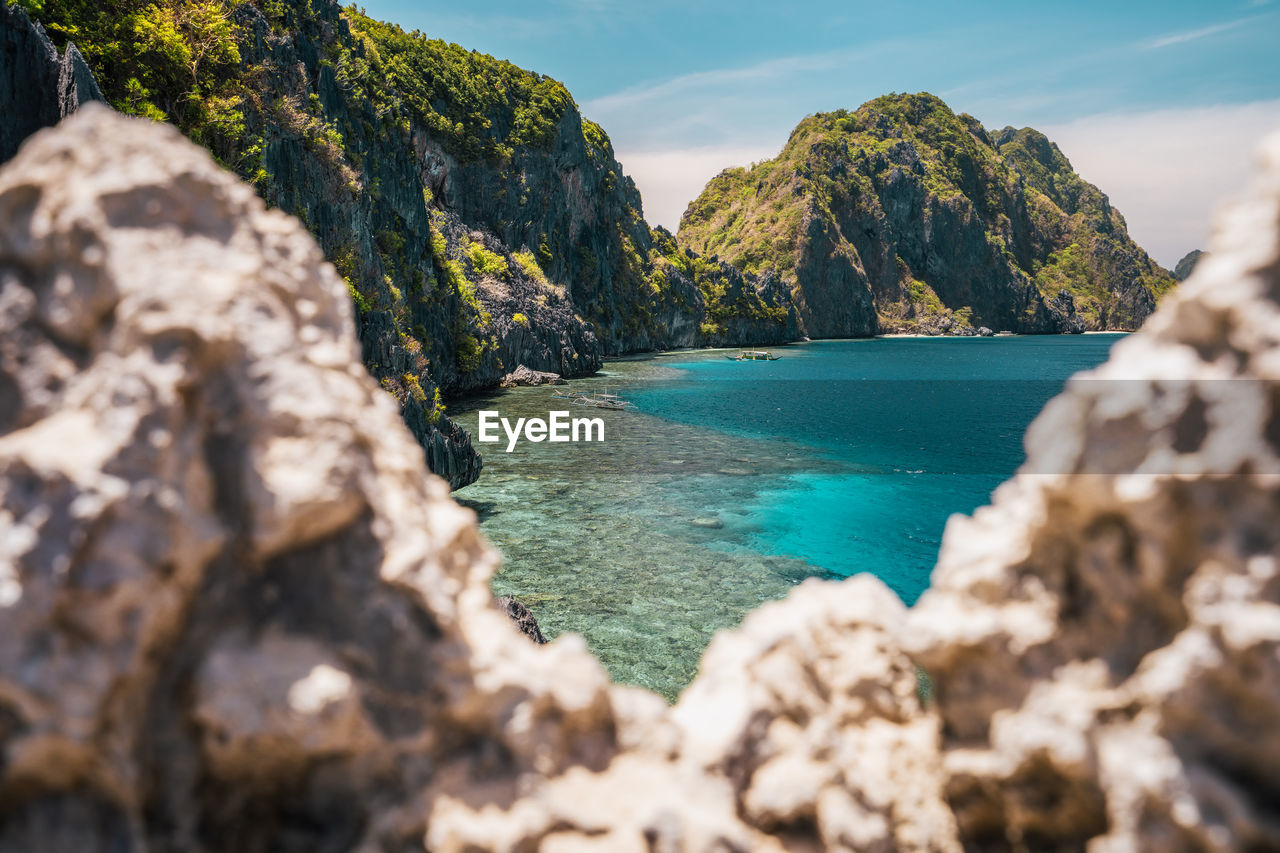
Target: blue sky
1159	103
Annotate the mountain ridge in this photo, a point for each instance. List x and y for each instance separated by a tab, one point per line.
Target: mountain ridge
905	216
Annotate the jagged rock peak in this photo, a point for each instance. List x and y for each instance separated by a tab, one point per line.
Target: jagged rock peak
37	86
1187	264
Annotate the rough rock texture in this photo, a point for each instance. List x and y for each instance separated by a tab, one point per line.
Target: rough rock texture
232	596
522	618
38	88
375	206
1106	635
571	202
524	376
235	614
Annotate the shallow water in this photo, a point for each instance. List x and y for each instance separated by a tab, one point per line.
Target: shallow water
733	481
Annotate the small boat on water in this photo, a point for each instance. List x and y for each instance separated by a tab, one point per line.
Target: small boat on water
598	400
604	401
753	355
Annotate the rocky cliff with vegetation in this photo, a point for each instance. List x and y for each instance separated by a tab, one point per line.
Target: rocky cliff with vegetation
234	615
904	217
38	86
479	220
1187	265
482	223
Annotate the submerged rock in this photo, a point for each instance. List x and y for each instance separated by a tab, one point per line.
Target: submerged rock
235	613
522	617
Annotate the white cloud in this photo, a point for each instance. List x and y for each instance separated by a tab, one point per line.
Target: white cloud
702	83
1167	170
1192	35
741	106
669	180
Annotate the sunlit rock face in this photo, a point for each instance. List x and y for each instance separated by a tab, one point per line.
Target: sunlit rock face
237	613
903	216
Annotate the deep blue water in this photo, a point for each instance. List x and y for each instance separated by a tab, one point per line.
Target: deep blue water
734	481
904	432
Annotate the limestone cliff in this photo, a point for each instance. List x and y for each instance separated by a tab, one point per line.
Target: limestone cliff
234	614
479	220
1187	265
903	216
38	87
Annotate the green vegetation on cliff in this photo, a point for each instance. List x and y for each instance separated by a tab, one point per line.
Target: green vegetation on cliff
176	61
477	106
181	61
478	220
319	108
727	297
905	216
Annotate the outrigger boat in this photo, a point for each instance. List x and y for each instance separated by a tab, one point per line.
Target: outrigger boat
604	401
600	400
753	355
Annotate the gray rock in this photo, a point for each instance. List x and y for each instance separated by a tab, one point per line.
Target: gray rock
985	332
524	376
522	618
196	466
1187	265
38	88
856	219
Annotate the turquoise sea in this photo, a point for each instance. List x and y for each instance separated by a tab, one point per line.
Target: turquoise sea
733	481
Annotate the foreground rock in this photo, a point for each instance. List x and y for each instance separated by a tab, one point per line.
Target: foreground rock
232	598
236	614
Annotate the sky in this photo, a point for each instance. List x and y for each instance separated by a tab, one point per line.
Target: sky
1161	104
